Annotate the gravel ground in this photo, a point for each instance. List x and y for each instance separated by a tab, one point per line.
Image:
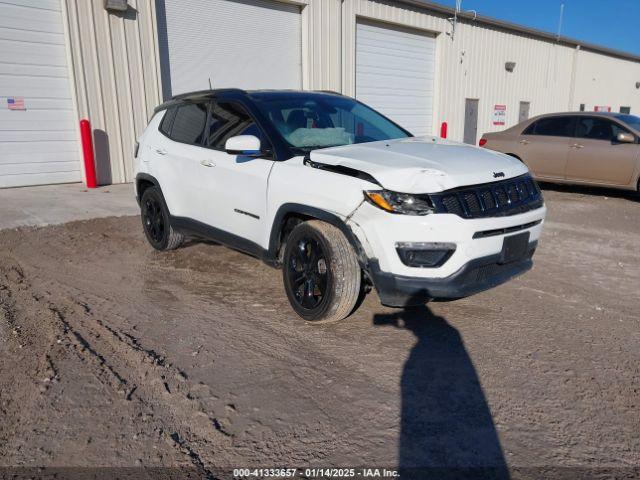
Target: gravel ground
112	354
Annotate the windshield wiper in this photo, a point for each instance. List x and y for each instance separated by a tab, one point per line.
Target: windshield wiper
317	147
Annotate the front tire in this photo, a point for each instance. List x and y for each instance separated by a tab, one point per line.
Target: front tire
155	221
321	274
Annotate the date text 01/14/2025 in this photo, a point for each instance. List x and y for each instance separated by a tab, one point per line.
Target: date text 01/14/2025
317	473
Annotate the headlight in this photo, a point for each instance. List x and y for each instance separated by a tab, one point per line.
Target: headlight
404	203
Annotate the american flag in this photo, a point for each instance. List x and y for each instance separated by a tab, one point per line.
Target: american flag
15	103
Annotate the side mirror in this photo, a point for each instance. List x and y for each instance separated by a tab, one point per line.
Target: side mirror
247	145
624	137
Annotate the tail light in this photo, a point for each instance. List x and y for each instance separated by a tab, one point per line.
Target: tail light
482	142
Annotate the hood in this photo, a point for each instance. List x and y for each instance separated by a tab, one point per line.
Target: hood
422	164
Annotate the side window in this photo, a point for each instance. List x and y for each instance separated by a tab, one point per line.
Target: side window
551	127
596	128
189	123
617	128
167	120
228	120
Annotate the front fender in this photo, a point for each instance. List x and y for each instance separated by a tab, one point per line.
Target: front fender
307	211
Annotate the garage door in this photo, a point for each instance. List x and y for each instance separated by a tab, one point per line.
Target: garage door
38	140
395	73
244	44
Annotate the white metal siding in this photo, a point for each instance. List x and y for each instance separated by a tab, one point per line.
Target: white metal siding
117	72
117	78
606	81
244	44
395	74
38	145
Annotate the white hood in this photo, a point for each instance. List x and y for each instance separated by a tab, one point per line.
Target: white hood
422	164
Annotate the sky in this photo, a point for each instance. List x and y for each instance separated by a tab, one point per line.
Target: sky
610	23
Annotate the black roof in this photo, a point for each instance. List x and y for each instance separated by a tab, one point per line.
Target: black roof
256	94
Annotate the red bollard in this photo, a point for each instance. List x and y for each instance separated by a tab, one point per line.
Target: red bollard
87	152
443	130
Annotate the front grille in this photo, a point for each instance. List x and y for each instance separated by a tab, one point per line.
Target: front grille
506	230
496	199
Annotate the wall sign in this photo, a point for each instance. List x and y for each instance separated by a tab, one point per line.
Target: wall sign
500	115
15	103
602	108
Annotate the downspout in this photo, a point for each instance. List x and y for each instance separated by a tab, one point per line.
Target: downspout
572	86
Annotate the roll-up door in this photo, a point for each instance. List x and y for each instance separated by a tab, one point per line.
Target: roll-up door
247	44
38	136
395	74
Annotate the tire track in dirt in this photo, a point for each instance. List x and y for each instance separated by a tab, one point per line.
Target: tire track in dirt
121	363
18	385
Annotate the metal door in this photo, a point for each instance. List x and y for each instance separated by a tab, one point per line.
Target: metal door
524	112
471	120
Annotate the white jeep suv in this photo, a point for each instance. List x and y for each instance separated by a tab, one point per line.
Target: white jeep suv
337	195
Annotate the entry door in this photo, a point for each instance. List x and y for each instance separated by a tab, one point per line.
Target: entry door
235	197
395	74
471	121
523	114
595	156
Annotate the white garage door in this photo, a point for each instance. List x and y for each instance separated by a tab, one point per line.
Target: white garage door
236	43
395	73
38	140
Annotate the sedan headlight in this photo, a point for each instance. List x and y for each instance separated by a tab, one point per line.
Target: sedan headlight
404	203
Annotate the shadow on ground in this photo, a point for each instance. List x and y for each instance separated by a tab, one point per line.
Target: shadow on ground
447	430
592	191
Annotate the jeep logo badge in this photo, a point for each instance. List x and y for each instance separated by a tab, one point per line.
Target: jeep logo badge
498	174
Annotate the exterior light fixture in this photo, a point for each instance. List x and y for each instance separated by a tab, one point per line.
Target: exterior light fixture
510	66
116	5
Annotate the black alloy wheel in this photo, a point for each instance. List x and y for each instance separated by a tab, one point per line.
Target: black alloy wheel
321	273
155	221
307	272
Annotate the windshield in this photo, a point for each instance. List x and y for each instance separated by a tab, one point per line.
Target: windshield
631	120
321	121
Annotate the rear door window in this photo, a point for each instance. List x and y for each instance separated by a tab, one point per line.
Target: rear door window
552	127
189	122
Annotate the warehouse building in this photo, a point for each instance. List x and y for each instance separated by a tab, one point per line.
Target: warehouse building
113	61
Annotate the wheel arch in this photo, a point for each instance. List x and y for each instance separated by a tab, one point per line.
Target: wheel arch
144	181
290	214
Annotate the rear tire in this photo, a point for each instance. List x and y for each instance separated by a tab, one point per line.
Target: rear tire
156	223
321	274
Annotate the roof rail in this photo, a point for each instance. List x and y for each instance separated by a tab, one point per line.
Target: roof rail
203	93
330	91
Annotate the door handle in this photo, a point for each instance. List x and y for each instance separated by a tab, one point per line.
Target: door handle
525	142
577	145
161	151
207	163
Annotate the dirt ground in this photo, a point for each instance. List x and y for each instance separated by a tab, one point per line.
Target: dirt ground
112	354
